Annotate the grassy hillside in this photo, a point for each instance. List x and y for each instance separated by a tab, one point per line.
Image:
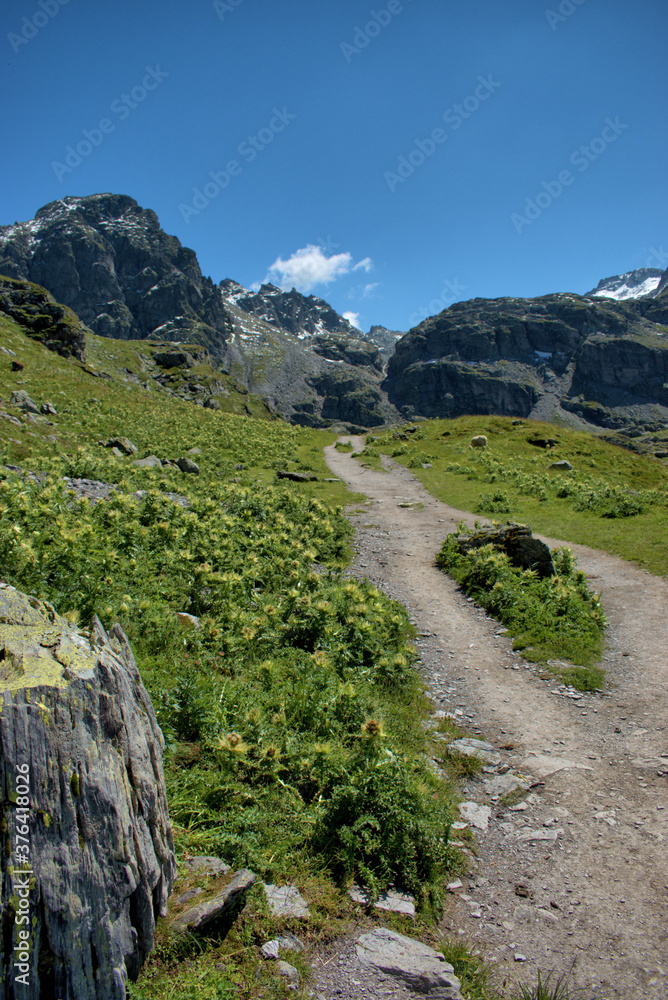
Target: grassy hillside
292	711
611	499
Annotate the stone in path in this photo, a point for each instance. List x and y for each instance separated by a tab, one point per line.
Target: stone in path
415	964
476	815
476	748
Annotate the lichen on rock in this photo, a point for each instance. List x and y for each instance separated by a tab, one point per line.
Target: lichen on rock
76	718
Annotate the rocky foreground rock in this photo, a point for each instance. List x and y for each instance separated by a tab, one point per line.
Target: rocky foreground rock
88	859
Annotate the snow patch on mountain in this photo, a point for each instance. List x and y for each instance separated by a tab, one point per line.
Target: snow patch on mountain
637	284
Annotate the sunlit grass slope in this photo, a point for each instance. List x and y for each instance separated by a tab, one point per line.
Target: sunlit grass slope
612	499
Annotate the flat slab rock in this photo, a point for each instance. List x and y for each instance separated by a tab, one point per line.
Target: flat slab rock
207	865
205	916
417	965
476	748
478	816
285	901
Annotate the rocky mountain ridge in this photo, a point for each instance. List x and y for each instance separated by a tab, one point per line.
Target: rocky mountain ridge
108	259
594	361
644	282
556	357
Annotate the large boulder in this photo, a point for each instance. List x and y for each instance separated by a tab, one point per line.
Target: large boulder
517	541
416	965
88	854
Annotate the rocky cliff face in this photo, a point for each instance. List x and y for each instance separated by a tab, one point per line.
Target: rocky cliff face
527	357
109	260
88	855
306	360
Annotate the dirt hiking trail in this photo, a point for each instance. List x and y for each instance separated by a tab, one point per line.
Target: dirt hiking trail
574	876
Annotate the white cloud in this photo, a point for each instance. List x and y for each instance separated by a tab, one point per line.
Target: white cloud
353	319
309	267
368	289
366	264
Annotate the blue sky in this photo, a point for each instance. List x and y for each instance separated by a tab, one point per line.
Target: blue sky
391	157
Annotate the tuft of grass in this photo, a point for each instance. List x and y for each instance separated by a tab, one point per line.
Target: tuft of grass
547	989
470	968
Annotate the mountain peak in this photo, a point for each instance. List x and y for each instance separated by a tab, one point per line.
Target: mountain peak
638	284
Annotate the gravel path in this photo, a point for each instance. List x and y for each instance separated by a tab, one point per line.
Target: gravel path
575	879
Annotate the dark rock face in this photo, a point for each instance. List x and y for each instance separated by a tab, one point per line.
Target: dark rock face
622	369
109	261
353	351
512	356
42	317
448	388
348	398
83	789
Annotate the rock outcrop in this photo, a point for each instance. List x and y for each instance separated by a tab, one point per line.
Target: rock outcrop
42	318
518	543
88	857
544	358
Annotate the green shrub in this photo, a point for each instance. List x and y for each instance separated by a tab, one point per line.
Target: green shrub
382	825
556	616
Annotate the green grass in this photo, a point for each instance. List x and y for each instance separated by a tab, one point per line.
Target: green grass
613	499
293	714
470	969
547	989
